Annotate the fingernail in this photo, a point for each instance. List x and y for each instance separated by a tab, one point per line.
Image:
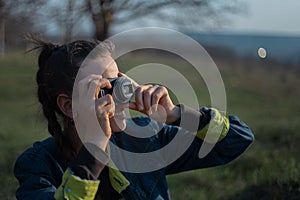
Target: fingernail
141	107
150	111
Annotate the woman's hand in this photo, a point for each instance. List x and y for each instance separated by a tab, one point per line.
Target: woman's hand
104	106
154	101
89	105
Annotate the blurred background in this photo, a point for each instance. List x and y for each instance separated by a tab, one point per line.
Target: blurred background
255	44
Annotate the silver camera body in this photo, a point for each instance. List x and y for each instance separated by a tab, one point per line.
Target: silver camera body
122	90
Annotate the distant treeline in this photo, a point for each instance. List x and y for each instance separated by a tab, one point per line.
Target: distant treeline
280	49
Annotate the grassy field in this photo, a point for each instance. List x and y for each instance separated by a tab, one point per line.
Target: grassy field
265	97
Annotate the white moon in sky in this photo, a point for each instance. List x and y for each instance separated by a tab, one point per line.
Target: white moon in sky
262	52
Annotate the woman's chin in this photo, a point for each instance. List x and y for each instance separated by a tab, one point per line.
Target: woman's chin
120	127
118	124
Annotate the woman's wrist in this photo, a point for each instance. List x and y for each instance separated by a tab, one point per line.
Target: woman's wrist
173	115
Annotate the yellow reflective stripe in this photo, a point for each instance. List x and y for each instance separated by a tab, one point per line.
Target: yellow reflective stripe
117	179
216	129
73	187
59	193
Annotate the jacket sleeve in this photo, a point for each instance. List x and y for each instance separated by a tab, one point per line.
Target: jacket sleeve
34	176
38	180
229	135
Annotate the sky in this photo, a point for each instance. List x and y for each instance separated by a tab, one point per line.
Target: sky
263	17
269	17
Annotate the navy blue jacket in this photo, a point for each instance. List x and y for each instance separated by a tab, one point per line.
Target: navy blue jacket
40	169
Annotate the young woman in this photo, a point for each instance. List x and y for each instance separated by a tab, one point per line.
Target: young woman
63	167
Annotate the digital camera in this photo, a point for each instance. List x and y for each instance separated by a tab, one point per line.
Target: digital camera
122	90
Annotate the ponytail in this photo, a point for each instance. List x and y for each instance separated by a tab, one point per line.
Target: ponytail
48	106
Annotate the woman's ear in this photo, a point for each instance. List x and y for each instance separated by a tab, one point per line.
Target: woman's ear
64	103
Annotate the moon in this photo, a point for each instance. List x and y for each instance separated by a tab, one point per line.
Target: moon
262	53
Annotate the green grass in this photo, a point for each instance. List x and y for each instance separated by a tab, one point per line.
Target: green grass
266	98
19	117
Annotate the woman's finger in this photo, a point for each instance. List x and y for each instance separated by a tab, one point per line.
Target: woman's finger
107	111
147	97
157	95
103	83
103	101
132	106
84	84
139	96
105	107
93	85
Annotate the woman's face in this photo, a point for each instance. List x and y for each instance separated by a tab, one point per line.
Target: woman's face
118	122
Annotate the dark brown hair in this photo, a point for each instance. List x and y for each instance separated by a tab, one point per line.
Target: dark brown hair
58	66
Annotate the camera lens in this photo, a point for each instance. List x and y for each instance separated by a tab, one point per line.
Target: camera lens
121	91
128	90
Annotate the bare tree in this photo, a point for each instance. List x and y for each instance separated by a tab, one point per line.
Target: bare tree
104	13
65	15
16	18
68	14
39	16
